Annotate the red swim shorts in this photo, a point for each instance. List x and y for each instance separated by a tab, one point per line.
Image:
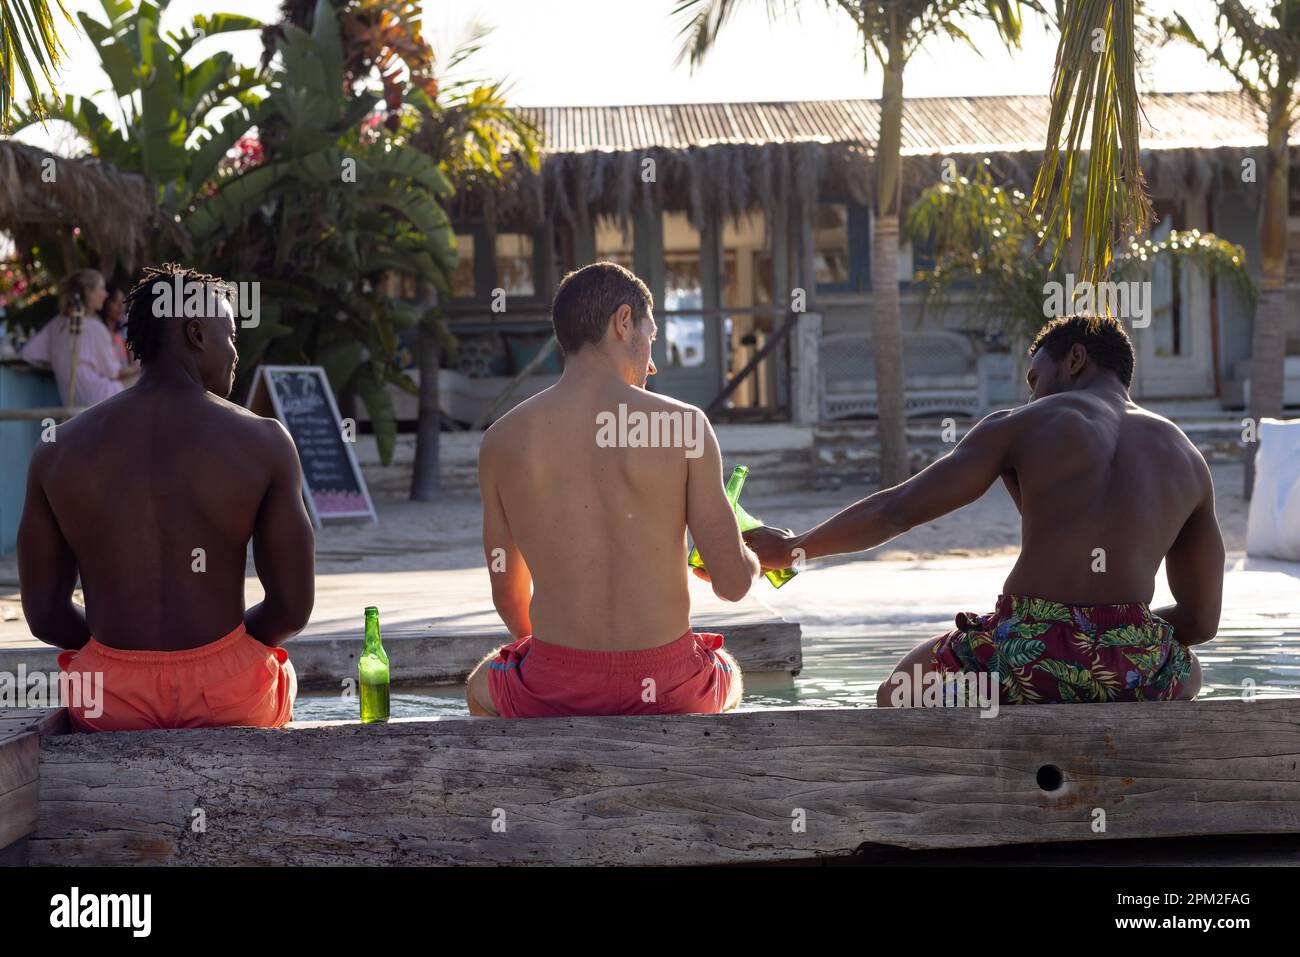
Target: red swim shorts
534	679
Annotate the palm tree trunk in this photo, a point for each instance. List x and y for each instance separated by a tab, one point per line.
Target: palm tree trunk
886	323
1268	341
426	482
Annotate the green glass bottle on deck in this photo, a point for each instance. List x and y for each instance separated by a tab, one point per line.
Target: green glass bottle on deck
777	576
372	669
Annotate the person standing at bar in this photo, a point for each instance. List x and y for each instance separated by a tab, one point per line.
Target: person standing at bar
78	347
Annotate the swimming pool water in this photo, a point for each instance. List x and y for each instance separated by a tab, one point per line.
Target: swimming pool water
844	673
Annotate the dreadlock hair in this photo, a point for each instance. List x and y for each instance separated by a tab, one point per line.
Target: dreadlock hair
144	322
1105	339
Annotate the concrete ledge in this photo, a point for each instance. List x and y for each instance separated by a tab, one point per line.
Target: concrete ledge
747	787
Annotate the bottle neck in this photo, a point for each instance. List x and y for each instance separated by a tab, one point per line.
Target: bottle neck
735	484
372	633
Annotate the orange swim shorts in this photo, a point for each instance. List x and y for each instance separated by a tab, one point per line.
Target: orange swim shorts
235	680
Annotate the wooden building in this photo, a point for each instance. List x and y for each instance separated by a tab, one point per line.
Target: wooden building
724	209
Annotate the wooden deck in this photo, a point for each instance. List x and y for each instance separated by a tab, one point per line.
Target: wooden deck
438	626
757	786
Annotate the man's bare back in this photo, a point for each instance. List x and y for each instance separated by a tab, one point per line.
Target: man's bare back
152	498
585	522
1104	489
158	494
602	530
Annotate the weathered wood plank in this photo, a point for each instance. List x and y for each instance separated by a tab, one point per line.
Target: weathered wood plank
40	720
19	761
668	790
19	787
18	813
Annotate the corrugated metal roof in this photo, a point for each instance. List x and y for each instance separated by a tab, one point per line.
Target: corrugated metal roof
931	126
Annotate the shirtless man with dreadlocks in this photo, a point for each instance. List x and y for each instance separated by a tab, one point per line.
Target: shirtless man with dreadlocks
152	497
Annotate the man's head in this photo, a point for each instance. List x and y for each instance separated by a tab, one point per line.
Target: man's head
605	310
1070	352
176	314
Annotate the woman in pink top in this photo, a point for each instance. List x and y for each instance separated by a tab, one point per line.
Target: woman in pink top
99	368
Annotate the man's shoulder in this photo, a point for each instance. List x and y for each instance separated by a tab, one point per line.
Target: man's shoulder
658	402
264	431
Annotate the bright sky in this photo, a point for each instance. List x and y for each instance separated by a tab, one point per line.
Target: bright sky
572	52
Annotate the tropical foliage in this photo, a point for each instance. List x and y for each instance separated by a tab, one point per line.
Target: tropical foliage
336	203
1094	90
169	125
29	44
349	189
316	174
987	240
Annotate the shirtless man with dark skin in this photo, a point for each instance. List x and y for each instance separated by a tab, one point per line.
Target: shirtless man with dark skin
152	497
1106	491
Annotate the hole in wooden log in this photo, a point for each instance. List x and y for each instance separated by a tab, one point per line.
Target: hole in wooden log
1050	777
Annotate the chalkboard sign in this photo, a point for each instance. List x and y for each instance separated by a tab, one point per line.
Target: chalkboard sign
302	399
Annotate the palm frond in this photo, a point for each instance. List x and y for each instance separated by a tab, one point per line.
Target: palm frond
27	40
702	20
1095	86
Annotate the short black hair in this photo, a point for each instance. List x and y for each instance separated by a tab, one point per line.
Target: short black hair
587	297
144	329
1104	338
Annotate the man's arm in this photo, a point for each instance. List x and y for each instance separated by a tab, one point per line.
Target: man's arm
731	566
1194	569
284	549
957	479
512	582
47	569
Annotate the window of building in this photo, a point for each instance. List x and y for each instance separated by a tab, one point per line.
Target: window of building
831	244
516	264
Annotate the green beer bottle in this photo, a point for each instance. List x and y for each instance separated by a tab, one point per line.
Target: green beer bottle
777	576
372	669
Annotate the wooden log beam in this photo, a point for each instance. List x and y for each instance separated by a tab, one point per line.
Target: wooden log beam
20	731
753	786
56	412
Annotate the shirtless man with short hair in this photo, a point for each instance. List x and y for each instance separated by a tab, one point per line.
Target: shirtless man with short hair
1106	491
585	534
152	497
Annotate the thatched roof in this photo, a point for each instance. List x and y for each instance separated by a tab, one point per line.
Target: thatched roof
116	211
727	158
